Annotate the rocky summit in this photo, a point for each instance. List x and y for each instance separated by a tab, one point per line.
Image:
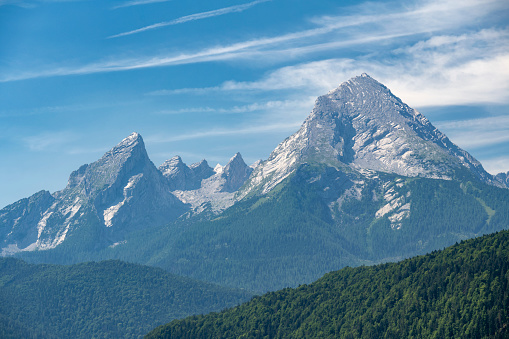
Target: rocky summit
362	126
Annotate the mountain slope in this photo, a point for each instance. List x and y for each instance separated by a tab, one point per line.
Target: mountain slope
215	192
120	192
320	219
109	299
460	292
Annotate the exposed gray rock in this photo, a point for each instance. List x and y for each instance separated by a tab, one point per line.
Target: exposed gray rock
361	125
201	170
235	172
123	190
503	178
217	192
18	221
182	177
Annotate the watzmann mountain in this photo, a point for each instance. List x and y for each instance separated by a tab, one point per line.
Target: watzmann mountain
363	126
366	179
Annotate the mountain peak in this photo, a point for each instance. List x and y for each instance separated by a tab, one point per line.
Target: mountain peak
237	158
131	146
201	170
362	125
236	172
201	163
173	162
133	139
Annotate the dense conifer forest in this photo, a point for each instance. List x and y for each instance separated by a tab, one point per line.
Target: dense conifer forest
460	292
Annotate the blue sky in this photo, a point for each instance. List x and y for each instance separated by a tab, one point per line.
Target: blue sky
207	79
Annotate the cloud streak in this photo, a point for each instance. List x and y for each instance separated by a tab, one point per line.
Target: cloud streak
477	133
48	141
193	17
225	132
496	165
443	70
255	107
137	3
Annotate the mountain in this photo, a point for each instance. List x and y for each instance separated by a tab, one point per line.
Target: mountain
120	192
460	292
362	126
109	299
366	179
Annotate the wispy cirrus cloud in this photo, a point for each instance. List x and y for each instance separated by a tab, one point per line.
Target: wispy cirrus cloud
257	129
192	17
363	29
49	141
495	165
442	70
476	133
254	107
137	3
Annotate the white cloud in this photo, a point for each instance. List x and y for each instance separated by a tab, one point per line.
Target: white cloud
254	107
496	165
19	3
49	141
266	128
193	17
445	69
476	133
137	3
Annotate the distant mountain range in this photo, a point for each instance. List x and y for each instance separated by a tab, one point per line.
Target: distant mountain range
366	179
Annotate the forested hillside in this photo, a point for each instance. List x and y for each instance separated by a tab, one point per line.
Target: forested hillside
110	299
460	292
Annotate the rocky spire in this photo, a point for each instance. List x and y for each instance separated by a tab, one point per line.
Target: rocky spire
235	172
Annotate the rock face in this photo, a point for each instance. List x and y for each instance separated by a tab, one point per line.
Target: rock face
18	221
216	192
235	174
182	177
359	126
123	191
503	178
